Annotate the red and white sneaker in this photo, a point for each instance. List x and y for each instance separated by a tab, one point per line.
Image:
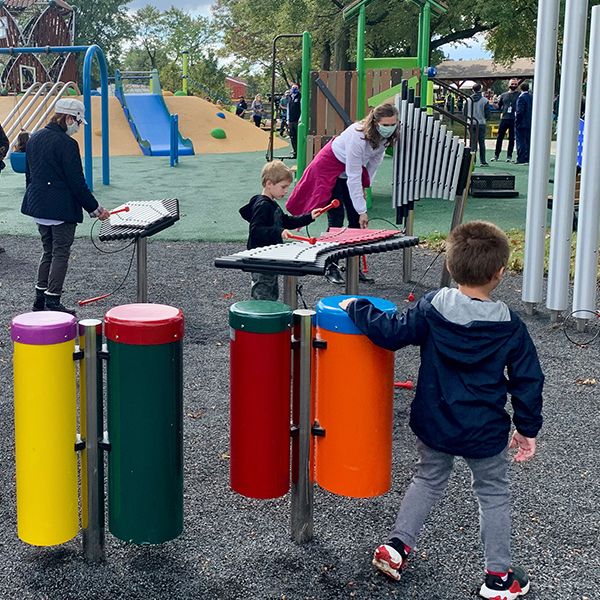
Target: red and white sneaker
389	561
495	588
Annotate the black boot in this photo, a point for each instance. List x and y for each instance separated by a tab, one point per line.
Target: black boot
363	278
53	303
40	300
333	274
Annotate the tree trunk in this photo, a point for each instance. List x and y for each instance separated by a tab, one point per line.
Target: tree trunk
326	57
341	48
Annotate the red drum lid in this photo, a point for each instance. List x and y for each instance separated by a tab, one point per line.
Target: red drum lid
144	324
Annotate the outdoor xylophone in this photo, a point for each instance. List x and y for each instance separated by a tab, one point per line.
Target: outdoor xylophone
429	160
138	220
306	258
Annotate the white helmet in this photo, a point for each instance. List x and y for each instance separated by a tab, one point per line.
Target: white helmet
70	106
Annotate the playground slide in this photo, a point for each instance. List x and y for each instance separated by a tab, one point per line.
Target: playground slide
150	121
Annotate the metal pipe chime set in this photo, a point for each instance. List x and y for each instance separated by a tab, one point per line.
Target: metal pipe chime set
429	162
586	258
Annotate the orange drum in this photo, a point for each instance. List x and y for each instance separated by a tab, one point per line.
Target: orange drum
353	405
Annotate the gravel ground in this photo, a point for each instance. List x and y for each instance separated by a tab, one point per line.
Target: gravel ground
233	547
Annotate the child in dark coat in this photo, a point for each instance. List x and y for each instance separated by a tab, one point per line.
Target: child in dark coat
474	352
269	224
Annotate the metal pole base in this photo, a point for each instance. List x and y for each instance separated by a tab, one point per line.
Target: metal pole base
302	486
529	308
352	270
142	269
290	293
555	316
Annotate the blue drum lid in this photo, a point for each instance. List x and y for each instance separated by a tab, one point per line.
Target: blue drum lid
332	318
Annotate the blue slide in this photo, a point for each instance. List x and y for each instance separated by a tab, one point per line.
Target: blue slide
150	121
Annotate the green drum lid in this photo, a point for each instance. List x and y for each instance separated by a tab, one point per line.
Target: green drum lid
260	316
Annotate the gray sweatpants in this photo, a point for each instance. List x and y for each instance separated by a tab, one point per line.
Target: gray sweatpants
264	286
490	484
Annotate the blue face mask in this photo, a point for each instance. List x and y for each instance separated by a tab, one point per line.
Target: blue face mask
294	90
386	131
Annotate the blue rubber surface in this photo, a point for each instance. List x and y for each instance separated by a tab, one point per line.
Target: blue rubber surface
152	119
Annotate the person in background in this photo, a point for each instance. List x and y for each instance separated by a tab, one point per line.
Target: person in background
241	107
55	195
283	109
475	352
22	139
293	116
507	104
257	109
478	109
523	113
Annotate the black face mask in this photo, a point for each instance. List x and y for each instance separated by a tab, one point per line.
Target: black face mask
512	88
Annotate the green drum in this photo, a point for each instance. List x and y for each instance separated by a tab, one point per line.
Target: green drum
145	422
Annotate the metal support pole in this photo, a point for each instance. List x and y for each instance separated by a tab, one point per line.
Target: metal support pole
141	249
424	45
566	156
407	262
352	270
360	63
304	104
92	462
290	295
586	256
186	71
541	132
302	485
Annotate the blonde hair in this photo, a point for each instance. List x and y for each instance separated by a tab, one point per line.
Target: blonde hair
369	125
275	172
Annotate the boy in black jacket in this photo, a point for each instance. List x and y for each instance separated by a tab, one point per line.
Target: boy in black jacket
474	352
269	224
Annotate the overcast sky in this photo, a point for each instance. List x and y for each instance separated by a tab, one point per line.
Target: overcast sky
472	52
195	6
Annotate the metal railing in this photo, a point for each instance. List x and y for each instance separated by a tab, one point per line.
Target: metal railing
53	95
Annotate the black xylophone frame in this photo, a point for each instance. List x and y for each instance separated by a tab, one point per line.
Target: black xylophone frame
327	253
110	232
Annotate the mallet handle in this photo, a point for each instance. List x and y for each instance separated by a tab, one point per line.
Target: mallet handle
90	300
301	238
333	204
120	210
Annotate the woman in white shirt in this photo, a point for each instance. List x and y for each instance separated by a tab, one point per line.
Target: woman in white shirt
344	167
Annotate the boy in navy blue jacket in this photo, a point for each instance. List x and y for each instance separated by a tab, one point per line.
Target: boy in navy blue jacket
474	351
269	225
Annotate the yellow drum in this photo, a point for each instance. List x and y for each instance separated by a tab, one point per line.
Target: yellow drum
45	427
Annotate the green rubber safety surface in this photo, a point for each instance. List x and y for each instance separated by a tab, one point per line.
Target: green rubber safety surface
211	188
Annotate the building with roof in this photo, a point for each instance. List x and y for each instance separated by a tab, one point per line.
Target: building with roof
459	72
26	23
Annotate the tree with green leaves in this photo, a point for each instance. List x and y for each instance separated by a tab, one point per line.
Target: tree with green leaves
249	26
102	22
161	37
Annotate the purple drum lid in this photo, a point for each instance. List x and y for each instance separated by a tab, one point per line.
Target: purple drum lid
43	328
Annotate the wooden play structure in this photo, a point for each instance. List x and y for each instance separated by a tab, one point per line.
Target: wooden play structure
36	23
